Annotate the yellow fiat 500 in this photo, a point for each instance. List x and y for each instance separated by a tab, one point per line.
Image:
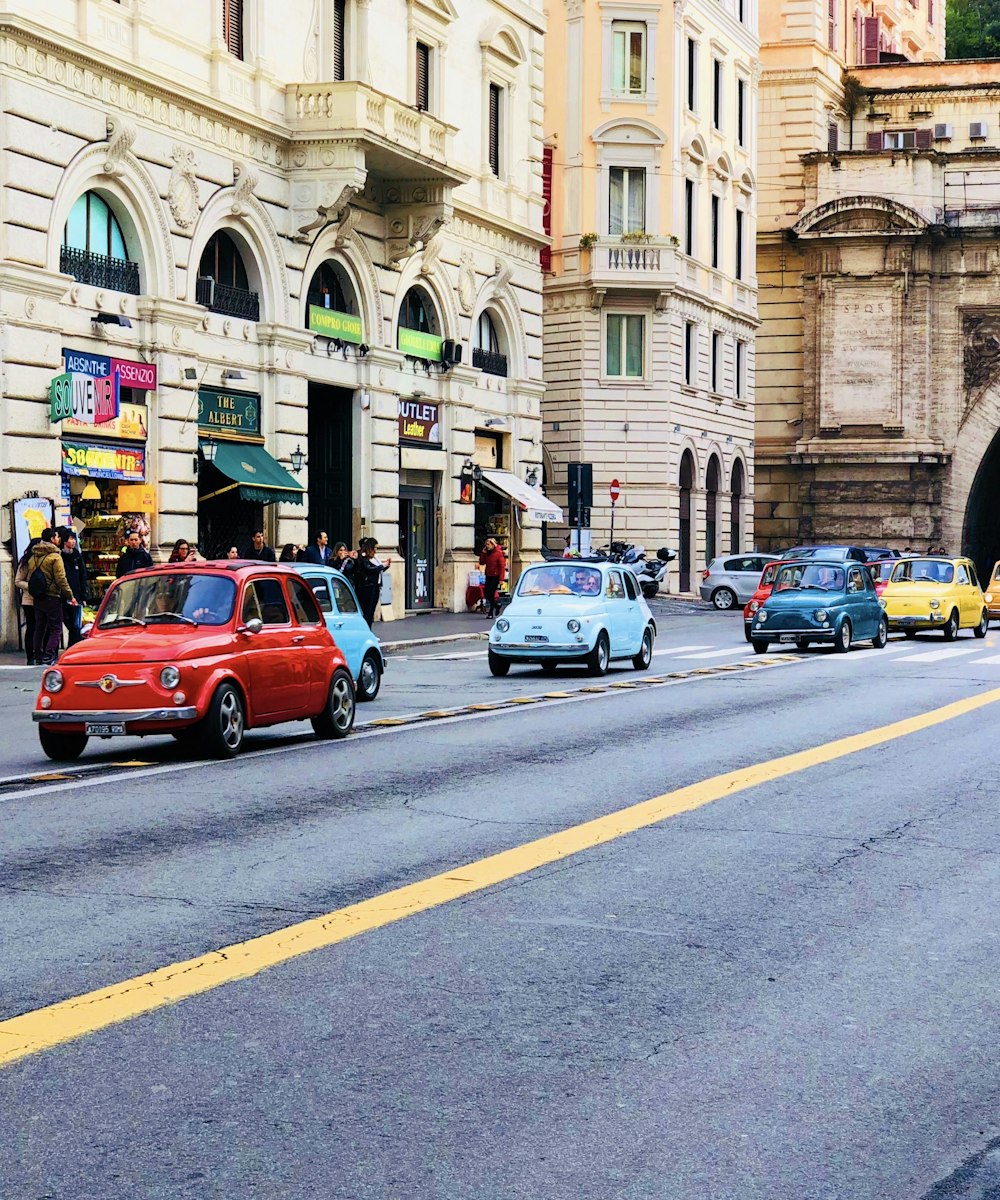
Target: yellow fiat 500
992	594
935	593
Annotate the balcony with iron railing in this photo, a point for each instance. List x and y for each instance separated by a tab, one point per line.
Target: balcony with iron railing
490	362
100	270
229	301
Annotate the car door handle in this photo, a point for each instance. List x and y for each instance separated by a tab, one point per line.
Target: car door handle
301	638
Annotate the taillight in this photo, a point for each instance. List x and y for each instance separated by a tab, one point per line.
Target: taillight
705	574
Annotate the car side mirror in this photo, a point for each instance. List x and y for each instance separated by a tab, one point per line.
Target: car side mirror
254	625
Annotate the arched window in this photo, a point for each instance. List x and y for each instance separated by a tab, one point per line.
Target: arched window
331	287
711	507
736	508
93	247
488	349
417	312
223	285
686	480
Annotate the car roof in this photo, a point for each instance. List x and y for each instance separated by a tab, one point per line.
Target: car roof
231	566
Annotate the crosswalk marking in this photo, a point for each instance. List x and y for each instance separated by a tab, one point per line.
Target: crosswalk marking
993	661
679	649
717	653
937	655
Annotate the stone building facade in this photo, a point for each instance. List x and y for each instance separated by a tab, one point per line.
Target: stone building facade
299	245
650	303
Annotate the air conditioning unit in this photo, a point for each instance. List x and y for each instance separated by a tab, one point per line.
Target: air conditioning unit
943	133
977	130
204	291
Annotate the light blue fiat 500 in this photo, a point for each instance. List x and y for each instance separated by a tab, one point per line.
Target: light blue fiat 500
342	613
573	611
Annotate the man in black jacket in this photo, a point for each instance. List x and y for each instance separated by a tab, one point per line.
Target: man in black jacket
76	577
134	557
260	551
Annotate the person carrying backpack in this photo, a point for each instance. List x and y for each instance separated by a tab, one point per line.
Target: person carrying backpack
27	603
48	588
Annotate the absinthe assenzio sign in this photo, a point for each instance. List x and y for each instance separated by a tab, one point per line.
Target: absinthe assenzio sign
418	422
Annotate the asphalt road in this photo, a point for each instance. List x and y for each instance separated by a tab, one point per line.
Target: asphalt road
788	990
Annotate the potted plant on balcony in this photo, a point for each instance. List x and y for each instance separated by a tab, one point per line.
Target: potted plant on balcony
636	237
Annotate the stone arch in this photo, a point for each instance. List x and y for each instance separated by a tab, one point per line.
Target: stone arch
436	285
629	129
972	519
354	258
738	486
253	231
722	165
693	145
503	41
846	212
132	196
687	482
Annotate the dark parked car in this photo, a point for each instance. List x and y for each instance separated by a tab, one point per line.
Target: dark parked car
829	553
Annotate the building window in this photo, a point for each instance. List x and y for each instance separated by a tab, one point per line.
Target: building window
690	351
716	361
624	346
423	74
831	24
741	112
689	217
627	200
712	480
628	58
487	354
495	127
331	288
741	370
736	508
339	30
740	242
716	93
222	284
417	313
716	230
93	247
692	74
232	26
900	139
832	137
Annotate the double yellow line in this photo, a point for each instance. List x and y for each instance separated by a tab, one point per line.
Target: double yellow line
71	1019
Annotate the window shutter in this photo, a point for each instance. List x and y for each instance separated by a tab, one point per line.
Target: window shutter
874	141
833	137
232	26
546	252
339	17
494	129
423	76
925	139
871	40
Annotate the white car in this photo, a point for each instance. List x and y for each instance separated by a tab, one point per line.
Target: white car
728	582
574	611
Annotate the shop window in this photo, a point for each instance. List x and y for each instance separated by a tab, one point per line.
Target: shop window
626	200
628	58
487	353
93	247
417	312
223	285
624	357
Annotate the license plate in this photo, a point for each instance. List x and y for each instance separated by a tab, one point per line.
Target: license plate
93	729
787	637
535	637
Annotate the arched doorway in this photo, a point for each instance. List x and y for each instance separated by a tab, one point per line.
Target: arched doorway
711	508
686	480
736	486
981	529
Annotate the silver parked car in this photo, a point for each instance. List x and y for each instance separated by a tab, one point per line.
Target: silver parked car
728	582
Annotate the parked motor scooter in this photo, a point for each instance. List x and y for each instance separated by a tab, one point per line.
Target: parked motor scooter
651	573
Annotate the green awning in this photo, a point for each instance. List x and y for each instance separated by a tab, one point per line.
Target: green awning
259	477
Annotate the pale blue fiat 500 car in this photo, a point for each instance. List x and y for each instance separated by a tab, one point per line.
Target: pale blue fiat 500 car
575	611
342	613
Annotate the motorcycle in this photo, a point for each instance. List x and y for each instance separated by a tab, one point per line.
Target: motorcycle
650	573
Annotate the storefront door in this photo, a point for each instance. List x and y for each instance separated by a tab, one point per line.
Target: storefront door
331	480
416	545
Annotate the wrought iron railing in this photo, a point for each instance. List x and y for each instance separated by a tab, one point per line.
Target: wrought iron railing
230	301
100	270
490	362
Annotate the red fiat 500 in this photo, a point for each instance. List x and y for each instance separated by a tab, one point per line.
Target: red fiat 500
202	651
760	595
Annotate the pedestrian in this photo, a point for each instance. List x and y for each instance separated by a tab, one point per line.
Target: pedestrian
289	553
232	552
76	577
343	559
46	559
27	602
906	550
494	565
319	552
134	557
260	551
181	551
367	578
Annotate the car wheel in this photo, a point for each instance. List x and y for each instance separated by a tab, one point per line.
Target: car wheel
724	598
951	629
759	645
62	747
600	656
369	678
549	668
909	634
842	642
223	727
642	660
498	666
880	638
337	718
984	624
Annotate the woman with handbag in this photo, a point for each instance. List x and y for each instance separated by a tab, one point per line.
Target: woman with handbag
27	603
494	564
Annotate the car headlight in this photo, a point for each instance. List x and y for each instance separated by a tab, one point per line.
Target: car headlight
53	681
503	624
170	677
762	616
935	604
573	626
821	614
988	597
754	605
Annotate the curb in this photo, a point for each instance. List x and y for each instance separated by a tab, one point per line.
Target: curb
388	647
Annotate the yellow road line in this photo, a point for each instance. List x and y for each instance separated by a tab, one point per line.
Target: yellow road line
70	1019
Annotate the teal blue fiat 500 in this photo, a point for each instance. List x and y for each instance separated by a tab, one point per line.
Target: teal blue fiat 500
824	602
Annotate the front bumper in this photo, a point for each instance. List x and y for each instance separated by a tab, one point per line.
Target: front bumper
917	621
537	651
132	716
793	635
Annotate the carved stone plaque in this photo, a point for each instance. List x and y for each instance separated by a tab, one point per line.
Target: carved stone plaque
858	354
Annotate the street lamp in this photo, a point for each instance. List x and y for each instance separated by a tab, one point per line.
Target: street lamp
298	459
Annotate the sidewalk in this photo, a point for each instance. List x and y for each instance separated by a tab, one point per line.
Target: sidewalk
417	629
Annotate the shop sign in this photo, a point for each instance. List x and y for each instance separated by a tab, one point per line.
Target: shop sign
327	322
130	425
136	497
230	412
418	422
419	345
138	375
83	398
104	462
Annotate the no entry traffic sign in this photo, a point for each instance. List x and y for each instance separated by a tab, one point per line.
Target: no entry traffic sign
615	490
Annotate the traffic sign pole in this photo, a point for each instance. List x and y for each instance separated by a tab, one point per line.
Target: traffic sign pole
615	491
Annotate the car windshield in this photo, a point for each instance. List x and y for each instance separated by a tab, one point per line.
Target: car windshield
809	575
560	580
181	599
923	570
769	570
881	570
